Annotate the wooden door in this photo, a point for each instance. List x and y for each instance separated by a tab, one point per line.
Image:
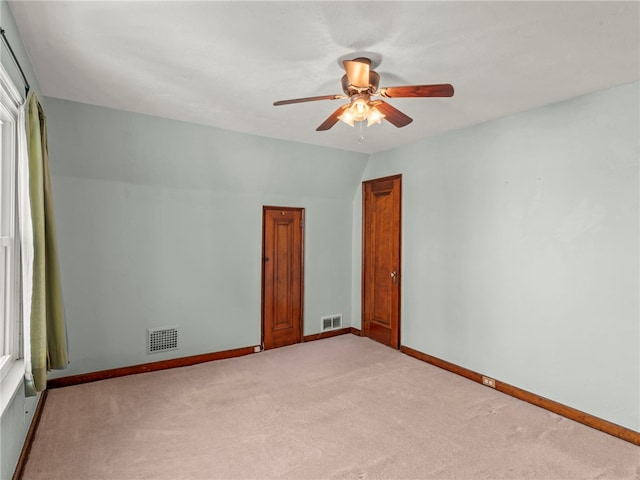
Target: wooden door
381	260
282	275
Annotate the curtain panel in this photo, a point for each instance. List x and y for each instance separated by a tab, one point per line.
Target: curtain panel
48	332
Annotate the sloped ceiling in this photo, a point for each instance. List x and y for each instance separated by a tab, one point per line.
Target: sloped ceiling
224	63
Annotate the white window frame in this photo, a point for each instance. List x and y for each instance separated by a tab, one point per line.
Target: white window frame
11	348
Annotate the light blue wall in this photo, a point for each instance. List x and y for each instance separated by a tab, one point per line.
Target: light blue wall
160	224
13	430
520	250
15	420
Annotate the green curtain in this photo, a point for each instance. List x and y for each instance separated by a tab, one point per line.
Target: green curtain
48	327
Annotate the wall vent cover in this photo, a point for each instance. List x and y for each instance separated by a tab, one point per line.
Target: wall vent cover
162	339
331	322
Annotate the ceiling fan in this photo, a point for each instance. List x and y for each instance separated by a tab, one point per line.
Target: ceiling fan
360	84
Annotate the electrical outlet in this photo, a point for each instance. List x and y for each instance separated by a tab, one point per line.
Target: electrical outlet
489	382
257	349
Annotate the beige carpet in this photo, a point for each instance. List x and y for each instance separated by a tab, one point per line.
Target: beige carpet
344	407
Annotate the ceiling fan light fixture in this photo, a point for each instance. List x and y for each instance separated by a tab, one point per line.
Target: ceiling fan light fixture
375	116
347	117
361	109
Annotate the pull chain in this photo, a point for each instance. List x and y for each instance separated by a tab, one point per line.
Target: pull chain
361	137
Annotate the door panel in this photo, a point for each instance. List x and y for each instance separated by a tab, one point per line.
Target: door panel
282	278
381	260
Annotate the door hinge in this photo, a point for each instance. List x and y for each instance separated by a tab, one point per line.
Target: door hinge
301	223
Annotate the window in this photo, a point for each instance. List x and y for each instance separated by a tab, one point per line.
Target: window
10	291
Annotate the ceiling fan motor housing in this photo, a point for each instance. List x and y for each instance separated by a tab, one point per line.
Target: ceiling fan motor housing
374	81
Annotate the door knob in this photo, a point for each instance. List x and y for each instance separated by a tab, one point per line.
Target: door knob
394	276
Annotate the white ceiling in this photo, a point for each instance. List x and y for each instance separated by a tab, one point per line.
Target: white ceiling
225	63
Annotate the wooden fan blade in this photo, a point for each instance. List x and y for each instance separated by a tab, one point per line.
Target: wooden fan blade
439	90
358	71
332	120
307	99
392	114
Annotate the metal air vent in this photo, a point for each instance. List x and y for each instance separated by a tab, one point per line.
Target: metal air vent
331	322
162	339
